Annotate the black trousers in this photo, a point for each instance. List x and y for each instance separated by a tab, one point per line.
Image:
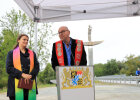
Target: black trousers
12	98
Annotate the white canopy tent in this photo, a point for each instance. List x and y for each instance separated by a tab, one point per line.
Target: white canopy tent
70	10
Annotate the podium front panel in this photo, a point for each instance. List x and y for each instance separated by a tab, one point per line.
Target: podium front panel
75	82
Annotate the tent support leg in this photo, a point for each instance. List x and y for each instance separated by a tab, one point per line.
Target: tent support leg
36	20
35	30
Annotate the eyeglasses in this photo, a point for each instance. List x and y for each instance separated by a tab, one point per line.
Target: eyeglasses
63	31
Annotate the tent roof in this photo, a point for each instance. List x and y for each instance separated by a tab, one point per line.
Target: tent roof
69	10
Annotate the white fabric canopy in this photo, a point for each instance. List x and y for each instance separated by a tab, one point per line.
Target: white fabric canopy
69	10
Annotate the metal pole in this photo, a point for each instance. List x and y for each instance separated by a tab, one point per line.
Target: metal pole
36	20
35	30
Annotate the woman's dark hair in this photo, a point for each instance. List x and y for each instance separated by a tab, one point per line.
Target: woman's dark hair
18	38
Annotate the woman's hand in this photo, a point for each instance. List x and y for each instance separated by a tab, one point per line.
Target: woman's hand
26	76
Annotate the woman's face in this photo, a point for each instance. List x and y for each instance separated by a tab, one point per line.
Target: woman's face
23	42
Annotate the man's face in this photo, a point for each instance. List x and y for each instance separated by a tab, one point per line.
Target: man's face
64	33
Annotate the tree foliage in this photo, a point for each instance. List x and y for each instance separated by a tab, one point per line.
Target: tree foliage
8	40
128	67
111	67
98	69
131	64
47	74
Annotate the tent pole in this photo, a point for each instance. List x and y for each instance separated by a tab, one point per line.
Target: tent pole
36	20
35	30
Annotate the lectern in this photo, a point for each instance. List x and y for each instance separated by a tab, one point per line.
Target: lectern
75	82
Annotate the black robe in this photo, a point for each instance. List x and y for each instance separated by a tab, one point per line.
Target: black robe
15	73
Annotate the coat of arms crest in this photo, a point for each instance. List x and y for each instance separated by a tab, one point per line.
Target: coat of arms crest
76	78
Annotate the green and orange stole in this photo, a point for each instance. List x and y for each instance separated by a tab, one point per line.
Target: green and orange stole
60	55
19	94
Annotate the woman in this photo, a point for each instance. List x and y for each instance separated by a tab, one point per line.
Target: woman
21	63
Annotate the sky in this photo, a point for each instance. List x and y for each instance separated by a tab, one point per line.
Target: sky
121	36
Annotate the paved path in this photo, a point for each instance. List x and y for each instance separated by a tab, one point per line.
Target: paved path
117	93
105	92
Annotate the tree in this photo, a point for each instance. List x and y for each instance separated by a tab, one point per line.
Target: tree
8	41
111	67
131	64
47	74
98	69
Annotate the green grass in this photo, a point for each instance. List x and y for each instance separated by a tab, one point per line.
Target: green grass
3	90
46	85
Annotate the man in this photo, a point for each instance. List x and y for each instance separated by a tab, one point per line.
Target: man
67	51
138	72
